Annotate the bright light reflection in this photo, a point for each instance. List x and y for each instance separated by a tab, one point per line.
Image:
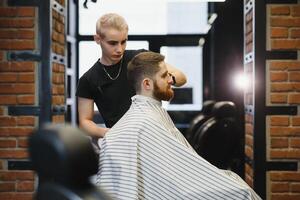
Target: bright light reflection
241	81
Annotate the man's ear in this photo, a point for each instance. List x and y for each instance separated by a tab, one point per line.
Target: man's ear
147	84
97	38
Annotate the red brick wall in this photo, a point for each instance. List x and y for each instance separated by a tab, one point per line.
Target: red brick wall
58	69
17	87
284	27
248	98
283	88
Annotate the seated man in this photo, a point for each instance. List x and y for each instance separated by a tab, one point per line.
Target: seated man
144	156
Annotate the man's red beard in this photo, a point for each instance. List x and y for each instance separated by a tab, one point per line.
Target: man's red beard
163	94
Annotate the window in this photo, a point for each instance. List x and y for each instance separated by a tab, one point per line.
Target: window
188	60
149	17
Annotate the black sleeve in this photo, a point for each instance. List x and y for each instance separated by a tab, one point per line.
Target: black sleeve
84	89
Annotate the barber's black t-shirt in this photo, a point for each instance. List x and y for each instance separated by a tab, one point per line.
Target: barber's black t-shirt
112	97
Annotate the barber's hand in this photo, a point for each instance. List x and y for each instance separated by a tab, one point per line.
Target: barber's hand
105	130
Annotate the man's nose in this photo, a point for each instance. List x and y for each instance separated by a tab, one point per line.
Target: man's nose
119	47
170	80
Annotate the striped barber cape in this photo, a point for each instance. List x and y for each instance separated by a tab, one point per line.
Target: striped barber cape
144	156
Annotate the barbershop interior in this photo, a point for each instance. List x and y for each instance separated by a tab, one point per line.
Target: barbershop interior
231	129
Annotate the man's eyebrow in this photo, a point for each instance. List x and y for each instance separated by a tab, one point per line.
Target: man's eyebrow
112	41
165	73
117	40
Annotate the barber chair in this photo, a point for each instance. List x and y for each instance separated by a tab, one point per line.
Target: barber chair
196	123
217	140
64	160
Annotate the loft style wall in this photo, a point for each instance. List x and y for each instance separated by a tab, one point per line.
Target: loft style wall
33	88
271	61
32	84
17	88
283	87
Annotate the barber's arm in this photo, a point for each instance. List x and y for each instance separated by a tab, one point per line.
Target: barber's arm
180	78
86	113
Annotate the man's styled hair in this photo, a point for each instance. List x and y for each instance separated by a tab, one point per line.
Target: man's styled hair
111	20
145	64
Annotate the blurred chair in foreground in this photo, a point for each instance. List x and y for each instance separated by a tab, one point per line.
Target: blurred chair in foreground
64	160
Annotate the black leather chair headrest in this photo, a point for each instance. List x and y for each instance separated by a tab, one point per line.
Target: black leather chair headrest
207	107
224	109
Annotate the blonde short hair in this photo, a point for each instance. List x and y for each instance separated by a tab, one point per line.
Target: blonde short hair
111	20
